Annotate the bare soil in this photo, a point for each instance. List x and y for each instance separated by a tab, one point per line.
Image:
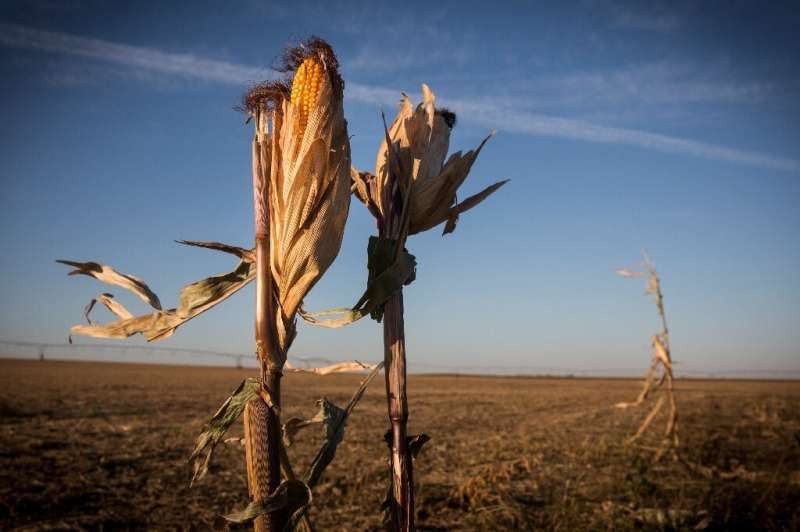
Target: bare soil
104	446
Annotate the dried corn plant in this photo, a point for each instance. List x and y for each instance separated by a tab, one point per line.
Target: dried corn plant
662	360
413	190
301	187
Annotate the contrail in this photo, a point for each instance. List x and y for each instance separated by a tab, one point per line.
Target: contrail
490	115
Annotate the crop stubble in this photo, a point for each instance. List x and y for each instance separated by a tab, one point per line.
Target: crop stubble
105	445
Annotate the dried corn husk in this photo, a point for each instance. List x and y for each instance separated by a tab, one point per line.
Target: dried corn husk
413	189
419	140
305	157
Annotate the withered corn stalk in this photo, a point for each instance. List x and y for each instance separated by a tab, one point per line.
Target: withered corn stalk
301	188
662	358
413	190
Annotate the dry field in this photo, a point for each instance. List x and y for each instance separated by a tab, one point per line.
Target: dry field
104	446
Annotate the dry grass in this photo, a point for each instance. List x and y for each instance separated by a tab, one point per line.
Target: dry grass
85	445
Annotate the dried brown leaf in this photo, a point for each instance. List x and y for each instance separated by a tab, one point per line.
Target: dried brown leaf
244	254
628	273
291	495
195	299
339	367
215	429
110	303
467	204
106	274
336	418
662	354
379	290
411	159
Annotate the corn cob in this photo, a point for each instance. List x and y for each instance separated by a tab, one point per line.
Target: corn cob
306	88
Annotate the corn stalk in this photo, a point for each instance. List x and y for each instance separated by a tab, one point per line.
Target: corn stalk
301	187
301	160
401	500
662	358
413	190
262	427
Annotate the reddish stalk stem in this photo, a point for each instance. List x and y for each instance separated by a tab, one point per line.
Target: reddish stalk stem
401	496
262	435
262	423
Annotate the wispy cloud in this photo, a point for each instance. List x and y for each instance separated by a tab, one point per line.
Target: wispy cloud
401	57
512	119
658	22
651	16
506	116
13	35
656	83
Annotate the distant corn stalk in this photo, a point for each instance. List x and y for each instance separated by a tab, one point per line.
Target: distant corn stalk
662	358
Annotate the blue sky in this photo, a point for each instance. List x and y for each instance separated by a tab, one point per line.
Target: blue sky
623	125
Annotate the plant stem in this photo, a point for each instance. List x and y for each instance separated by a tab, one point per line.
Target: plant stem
262	435
262	423
401	495
394	226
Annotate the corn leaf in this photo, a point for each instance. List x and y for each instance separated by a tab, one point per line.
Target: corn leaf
195	298
109	275
114	306
416	442
244	254
215	429
624	272
387	275
291	494
467	204
336	418
662	353
295	424
339	367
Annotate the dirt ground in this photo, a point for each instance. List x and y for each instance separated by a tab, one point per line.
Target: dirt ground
104	446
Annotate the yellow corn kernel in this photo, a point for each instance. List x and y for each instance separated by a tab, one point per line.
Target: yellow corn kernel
306	87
